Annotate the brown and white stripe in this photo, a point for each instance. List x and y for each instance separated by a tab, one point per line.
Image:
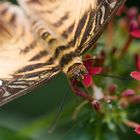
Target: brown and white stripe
50	39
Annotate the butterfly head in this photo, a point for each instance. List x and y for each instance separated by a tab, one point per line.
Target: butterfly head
77	72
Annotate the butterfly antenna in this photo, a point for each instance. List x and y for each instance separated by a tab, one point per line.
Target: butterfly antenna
114	76
58	113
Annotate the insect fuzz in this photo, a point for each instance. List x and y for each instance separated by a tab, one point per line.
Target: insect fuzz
77	72
69	61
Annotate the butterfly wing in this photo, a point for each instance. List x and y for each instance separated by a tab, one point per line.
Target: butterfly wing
24	62
79	22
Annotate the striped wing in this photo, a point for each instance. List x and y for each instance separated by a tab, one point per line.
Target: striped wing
24	62
78	22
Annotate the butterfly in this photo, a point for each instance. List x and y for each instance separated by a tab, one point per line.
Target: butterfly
41	38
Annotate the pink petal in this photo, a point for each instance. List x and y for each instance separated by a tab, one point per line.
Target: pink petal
128	92
137	58
134	28
133	25
135	33
132	13
135	75
87	81
95	70
137	130
88	63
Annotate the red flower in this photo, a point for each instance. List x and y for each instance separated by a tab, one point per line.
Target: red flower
88	81
136	74
134	28
133	20
137	130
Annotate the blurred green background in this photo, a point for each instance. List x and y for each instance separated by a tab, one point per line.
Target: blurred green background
29	117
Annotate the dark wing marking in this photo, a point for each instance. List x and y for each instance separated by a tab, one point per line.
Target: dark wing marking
24	62
78	22
104	13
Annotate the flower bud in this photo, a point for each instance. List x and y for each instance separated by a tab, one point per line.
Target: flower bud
96	105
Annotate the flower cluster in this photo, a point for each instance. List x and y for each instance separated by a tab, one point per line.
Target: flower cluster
88	63
136	74
104	63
